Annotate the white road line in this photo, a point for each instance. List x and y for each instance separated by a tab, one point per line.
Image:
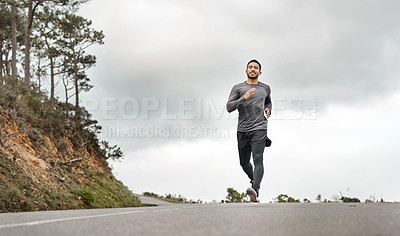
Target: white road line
76	218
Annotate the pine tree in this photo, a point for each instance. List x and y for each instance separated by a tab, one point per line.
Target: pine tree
77	36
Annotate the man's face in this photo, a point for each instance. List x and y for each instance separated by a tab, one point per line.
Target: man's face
253	70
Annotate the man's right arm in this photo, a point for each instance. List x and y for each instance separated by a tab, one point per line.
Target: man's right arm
234	100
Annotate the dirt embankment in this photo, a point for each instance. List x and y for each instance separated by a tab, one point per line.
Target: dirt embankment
37	173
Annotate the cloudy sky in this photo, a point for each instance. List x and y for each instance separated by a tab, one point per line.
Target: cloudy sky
165	71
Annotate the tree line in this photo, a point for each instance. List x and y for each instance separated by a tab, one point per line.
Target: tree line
234	196
46	40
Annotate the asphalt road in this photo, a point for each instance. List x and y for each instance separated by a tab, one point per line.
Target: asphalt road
211	219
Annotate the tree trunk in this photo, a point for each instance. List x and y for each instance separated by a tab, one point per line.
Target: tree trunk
52	74
66	83
40	82
6	54
76	84
28	44
14	39
66	92
1	58
52	83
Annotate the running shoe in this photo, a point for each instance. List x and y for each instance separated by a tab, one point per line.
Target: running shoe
252	194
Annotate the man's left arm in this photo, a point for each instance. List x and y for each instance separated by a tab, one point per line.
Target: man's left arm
268	104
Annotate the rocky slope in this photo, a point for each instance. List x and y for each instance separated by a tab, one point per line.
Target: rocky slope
38	173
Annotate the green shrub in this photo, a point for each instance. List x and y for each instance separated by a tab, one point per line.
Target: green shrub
34	102
24	182
87	197
7	196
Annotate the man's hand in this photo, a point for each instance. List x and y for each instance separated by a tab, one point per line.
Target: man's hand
267	112
249	93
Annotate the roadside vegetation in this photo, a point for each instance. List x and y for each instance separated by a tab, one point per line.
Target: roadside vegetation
79	175
50	155
172	198
234	196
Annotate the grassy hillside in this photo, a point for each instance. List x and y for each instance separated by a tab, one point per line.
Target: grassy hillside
50	158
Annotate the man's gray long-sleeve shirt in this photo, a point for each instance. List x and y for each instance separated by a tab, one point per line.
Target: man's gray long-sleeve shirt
251	112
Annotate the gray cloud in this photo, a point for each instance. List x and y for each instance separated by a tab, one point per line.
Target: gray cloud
339	52
183	48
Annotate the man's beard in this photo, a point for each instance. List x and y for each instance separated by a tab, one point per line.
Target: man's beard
252	77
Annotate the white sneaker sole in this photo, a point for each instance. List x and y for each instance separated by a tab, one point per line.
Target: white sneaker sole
252	194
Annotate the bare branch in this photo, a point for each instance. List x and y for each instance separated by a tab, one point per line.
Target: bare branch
3	143
74	161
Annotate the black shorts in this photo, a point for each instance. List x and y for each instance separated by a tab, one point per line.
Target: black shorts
252	137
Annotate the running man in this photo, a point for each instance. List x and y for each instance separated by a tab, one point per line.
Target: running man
253	101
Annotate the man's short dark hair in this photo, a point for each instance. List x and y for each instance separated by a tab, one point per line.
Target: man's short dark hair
254	60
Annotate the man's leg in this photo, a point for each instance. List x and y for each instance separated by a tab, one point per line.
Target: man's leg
258	152
244	155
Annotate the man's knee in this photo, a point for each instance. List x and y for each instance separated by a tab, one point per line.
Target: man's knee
244	163
258	159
